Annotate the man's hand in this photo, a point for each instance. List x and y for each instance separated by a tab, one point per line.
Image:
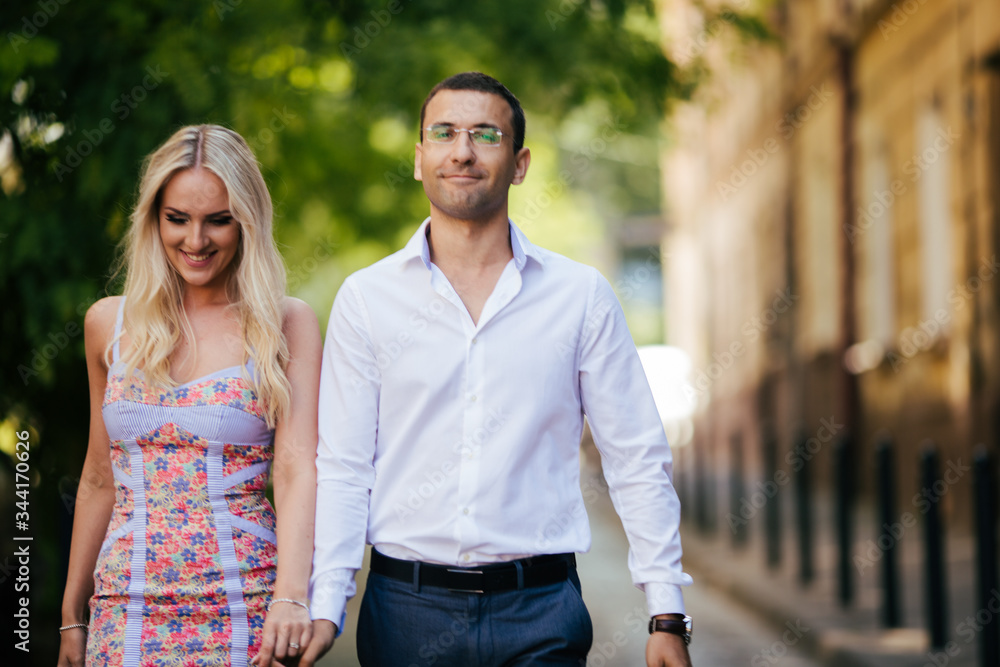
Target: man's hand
323	634
667	650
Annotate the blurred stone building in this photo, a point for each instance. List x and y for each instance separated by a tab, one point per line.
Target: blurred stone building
833	206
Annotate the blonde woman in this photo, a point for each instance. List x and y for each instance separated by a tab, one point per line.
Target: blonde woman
202	375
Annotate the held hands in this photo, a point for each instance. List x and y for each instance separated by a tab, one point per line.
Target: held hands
666	650
324	633
72	647
287	633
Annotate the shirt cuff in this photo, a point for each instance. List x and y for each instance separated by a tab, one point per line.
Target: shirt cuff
663	598
329	604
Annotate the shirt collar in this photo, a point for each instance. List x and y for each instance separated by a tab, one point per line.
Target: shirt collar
522	248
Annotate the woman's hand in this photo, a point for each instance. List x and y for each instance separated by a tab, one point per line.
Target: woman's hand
72	647
287	632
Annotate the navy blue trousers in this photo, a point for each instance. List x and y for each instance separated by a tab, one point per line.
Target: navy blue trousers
401	625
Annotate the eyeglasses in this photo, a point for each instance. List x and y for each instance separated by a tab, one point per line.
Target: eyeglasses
446	134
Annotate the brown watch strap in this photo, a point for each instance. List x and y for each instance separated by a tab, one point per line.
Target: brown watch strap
671	626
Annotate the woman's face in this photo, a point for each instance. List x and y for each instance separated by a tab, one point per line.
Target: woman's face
198	232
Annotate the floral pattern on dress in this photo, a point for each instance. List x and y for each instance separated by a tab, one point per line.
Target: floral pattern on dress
186	617
238	457
233	392
106	635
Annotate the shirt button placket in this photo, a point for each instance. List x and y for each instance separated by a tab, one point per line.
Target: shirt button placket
469	462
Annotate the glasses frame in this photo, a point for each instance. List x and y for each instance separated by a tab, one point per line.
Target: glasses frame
471	131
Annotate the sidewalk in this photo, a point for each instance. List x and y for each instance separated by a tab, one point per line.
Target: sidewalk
850	637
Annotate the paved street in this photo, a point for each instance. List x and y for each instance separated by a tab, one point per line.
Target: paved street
726	634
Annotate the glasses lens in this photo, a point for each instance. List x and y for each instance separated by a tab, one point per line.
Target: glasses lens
487	136
440	134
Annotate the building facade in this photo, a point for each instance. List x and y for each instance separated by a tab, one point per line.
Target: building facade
833	206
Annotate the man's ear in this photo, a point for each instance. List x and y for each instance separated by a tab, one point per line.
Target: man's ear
417	159
521	162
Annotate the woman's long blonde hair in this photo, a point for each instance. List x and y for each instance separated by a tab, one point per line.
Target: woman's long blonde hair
154	315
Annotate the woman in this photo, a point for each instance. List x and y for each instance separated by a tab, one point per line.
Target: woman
200	375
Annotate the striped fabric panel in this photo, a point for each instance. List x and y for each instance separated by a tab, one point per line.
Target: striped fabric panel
227	554
243	475
254	529
126	419
137	583
117	534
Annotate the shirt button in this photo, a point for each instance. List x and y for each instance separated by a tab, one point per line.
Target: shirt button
465	510
465	558
472	398
475	340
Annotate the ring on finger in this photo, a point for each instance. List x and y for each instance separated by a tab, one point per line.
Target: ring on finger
293	645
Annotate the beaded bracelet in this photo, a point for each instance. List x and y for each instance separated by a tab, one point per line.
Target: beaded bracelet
288	600
74	625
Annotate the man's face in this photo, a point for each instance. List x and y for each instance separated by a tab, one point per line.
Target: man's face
464	180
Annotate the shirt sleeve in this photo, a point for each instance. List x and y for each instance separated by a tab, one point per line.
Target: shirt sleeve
348	419
634	452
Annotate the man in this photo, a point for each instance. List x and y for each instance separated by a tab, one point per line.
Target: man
456	375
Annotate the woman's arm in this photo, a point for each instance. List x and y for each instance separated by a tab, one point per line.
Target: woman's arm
294	477
95	496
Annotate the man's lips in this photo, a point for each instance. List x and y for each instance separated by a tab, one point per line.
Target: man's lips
463	176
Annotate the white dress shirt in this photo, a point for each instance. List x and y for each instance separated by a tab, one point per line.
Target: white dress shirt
453	442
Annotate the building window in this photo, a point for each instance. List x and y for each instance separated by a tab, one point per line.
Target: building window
930	166
879	319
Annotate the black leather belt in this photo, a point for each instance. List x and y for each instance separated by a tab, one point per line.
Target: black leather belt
492	578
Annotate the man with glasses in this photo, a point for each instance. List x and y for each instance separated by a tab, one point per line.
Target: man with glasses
456	375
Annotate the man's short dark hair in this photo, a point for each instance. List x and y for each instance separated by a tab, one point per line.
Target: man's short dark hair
482	83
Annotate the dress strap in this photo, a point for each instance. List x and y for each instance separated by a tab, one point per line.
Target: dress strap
118	330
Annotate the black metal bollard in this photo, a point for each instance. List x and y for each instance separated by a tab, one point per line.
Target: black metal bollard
803	511
737	494
986	553
887	517
772	511
937	613
843	454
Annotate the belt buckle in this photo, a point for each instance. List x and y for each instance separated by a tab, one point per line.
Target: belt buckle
467	590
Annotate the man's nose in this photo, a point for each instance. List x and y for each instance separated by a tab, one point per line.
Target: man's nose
463	150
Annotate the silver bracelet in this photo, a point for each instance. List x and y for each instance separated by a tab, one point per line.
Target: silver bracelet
288	600
74	625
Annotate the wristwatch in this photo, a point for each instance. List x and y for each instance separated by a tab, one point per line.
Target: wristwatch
673	626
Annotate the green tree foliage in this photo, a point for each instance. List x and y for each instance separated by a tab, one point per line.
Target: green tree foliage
328	95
